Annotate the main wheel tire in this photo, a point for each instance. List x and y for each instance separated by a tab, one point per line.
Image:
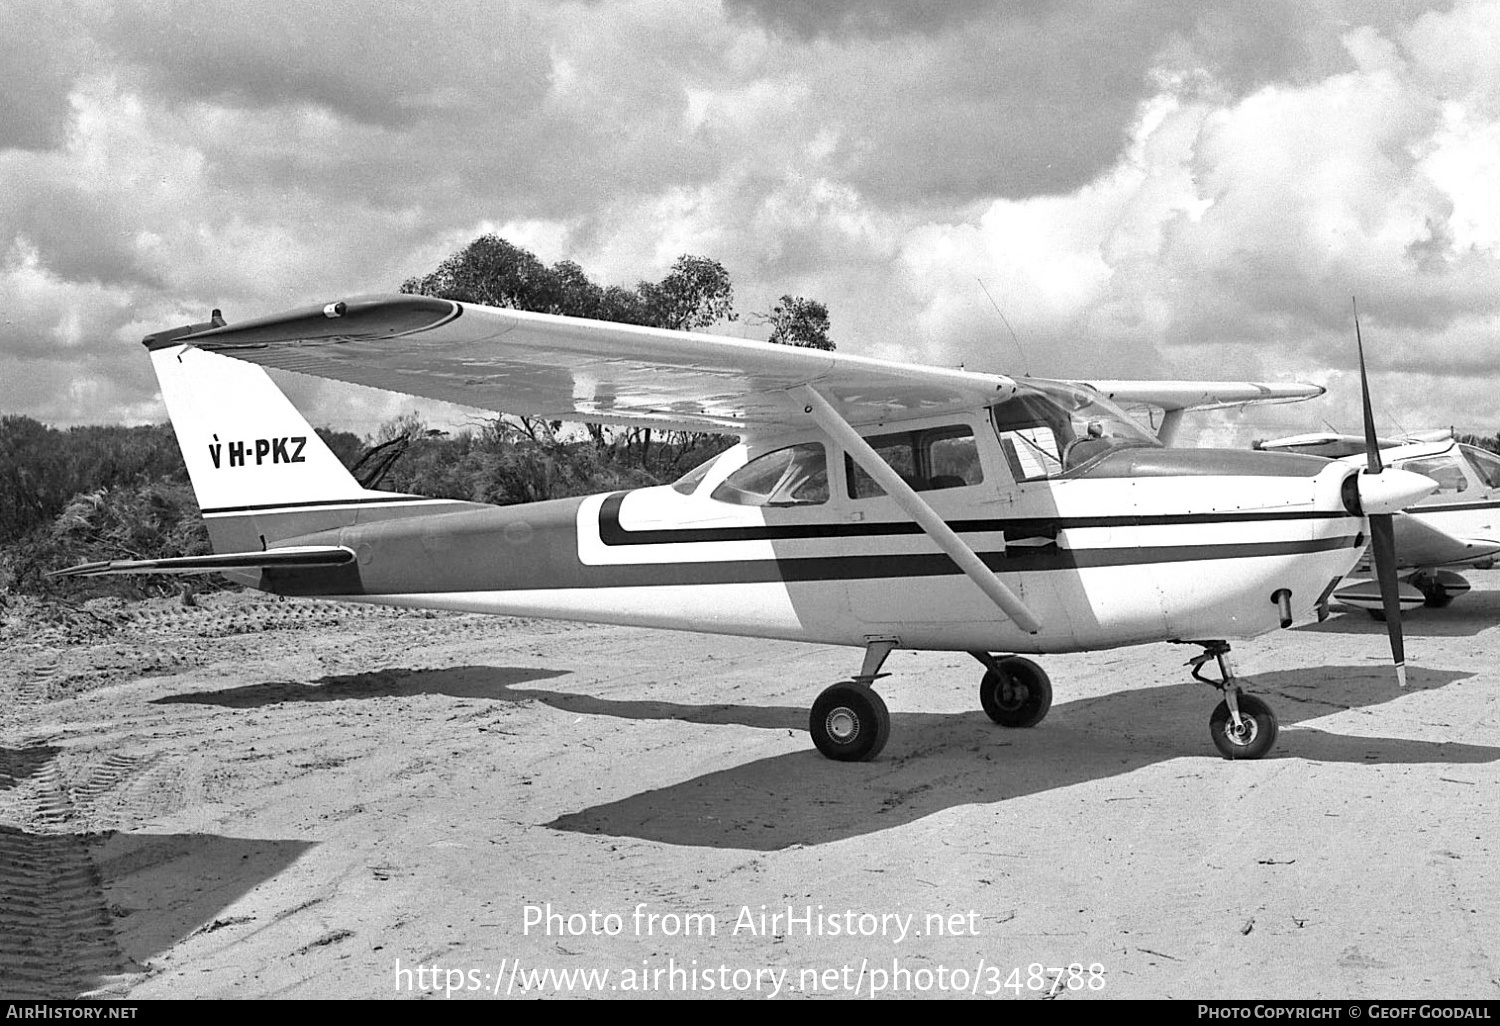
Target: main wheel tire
849	723
1256	735
1434	595
1018	696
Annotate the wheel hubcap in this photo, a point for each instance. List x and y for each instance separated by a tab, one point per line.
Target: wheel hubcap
1245	733
843	725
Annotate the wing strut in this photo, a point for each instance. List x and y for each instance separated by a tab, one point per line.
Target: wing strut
906	497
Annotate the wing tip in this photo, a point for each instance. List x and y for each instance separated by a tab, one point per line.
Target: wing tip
383	315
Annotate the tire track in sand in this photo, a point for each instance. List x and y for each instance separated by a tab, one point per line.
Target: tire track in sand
57	937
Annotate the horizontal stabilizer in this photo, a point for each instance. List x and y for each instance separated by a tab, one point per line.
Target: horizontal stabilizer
288	558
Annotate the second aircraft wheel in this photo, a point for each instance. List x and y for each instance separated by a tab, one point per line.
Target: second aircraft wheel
1434	595
1255	736
1018	696
849	723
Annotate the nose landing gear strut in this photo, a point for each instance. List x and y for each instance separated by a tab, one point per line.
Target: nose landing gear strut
1242	726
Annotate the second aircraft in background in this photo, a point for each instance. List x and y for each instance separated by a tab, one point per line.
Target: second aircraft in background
1454	528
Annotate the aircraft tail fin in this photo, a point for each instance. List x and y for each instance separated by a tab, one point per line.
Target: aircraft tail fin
260	472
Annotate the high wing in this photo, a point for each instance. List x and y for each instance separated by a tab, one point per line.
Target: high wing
1175	398
567	368
572	369
1201	395
1337	446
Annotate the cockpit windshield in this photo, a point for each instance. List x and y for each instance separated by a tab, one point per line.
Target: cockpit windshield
1053	428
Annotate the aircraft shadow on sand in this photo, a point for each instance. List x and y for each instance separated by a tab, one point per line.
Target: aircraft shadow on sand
460	682
934	761
937	761
190	879
63	935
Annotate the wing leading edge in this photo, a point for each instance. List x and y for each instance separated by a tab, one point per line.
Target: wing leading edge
568	368
580	370
1203	395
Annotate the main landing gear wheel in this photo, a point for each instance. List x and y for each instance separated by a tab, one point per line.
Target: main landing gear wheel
1439	589
1254	736
849	723
1017	693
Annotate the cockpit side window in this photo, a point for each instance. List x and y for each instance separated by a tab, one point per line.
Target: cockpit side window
928	460
1052	429
794	476
1485	464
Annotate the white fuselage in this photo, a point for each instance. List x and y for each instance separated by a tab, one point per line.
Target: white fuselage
1175	551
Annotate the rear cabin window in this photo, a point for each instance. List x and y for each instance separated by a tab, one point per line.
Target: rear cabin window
794	476
928	460
688	483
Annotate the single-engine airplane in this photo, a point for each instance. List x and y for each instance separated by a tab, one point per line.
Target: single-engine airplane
1456	526
870	503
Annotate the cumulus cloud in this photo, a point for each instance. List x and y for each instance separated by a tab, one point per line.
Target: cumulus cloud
1144	188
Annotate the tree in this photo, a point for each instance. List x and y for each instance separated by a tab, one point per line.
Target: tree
492	272
798	322
41	467
696	293
346	445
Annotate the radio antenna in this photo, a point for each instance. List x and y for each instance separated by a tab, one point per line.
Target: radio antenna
1001	314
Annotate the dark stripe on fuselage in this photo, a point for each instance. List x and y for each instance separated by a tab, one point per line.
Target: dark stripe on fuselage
536	547
1453	507
855	568
526	548
612	533
1019	560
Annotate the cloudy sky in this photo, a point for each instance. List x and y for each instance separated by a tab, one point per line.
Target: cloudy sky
1147	188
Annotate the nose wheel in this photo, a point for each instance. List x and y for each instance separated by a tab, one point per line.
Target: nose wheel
1242	726
1251	737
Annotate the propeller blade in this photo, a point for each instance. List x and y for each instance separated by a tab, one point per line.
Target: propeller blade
1382	526
1383	541
1372	448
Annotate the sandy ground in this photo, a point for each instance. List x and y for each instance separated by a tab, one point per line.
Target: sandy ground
258	798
